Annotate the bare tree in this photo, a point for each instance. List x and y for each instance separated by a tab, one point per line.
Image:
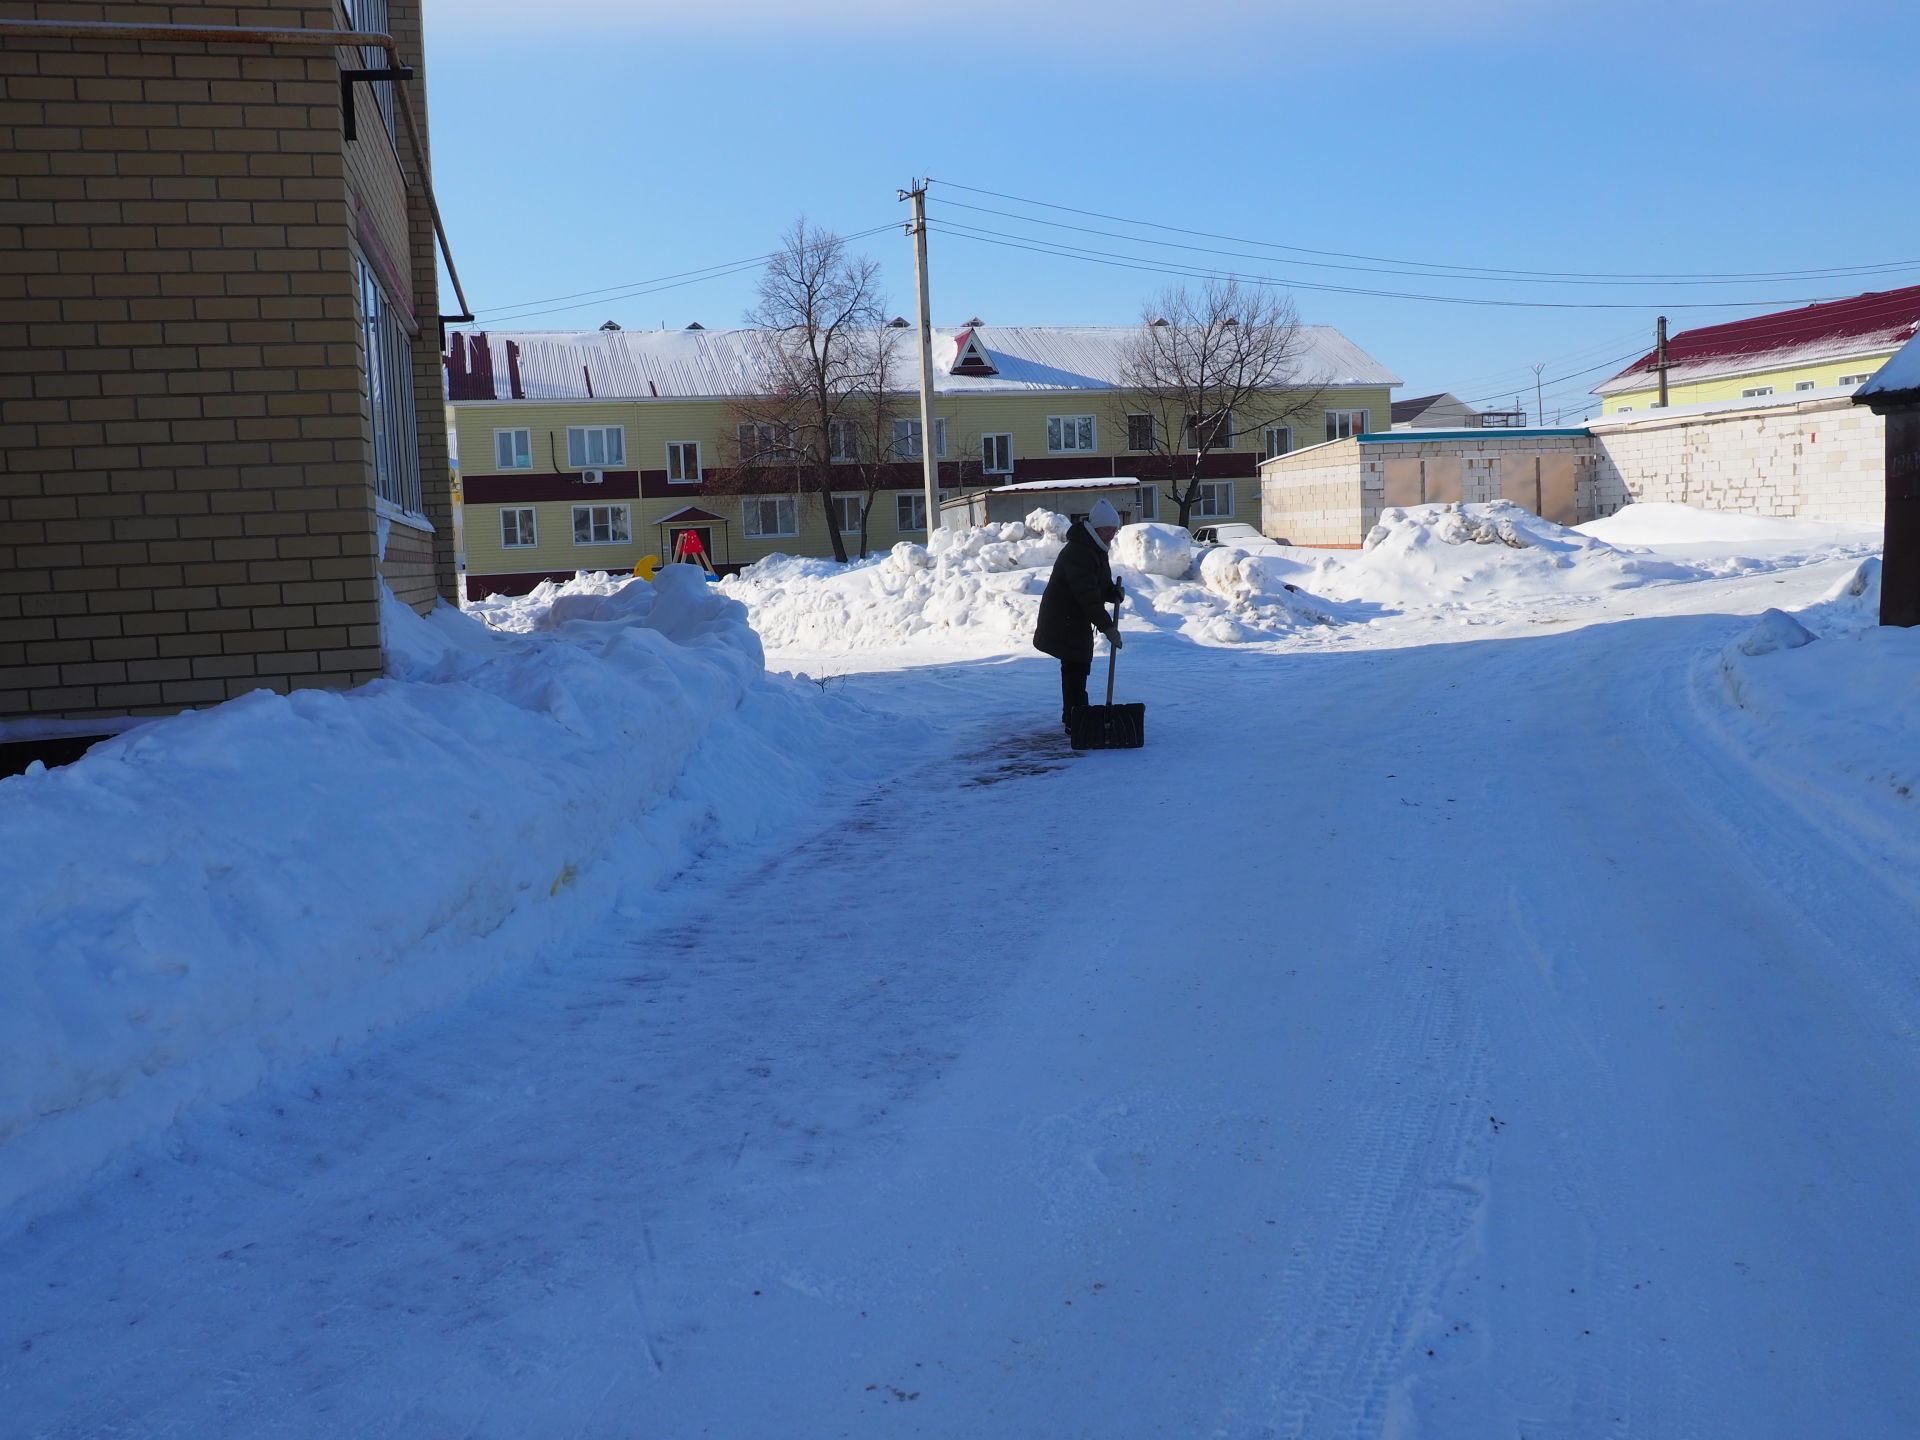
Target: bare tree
824	360
1204	370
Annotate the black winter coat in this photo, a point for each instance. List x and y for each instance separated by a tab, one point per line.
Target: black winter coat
1074	603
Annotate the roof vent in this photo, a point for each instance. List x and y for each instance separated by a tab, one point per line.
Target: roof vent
611	325
976	321
1156	321
696	325
898	322
970	356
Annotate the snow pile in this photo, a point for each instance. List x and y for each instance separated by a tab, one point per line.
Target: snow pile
1664	523
1447	554
534	610
1165	550
985	584
1826	704
225	891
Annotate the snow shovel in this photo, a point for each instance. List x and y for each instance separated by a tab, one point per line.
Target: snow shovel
1110	726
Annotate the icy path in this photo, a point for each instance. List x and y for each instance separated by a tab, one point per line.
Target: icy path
1443	1041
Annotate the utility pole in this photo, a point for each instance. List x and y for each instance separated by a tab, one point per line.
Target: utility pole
1660	356
929	457
1539	406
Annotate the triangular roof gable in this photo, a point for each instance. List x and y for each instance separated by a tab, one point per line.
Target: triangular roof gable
970	356
692	515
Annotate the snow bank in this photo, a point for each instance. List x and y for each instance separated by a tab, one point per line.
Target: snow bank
1663	523
229	890
534	610
985	583
1826	704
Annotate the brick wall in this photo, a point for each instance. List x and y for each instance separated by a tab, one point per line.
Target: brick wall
1817	460
185	507
1317	496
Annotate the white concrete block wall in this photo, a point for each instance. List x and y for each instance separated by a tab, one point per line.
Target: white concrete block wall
1317	497
1824	460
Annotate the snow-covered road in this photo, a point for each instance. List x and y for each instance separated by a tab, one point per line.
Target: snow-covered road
1423	1036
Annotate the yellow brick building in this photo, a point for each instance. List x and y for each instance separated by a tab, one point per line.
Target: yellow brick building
593	451
219	350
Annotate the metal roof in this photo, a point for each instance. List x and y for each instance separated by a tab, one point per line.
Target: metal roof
1898	375
1831	330
1105	482
721	364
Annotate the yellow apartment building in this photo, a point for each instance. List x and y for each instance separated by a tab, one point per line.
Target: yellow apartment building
592	451
1837	344
219	351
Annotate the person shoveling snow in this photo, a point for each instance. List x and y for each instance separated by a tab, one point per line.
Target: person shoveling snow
1074	605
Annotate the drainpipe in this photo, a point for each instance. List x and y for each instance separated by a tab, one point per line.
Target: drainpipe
266	35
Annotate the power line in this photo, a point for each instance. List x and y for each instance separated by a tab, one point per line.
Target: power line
633	288
1457	272
1819	273
1571	375
1126	262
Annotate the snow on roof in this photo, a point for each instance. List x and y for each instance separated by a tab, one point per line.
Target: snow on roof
1104	482
1902	372
1831	330
717	364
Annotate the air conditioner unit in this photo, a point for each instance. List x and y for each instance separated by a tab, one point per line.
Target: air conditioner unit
592	477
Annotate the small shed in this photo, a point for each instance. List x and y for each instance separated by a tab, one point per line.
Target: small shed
1894	392
708	528
1332	494
1071	498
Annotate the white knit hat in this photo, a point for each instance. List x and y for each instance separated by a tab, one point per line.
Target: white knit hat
1103	516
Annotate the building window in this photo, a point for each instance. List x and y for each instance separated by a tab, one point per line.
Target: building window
906	439
1277	440
1803	385
1854	379
846	513
1146	502
1628	410
1070	434
370	17
769	517
763	443
594	446
1139	432
516	529
601	525
1210	432
1756	392
996	456
910	512
1342	424
513	450
1213	499
843	442
683	462
387	380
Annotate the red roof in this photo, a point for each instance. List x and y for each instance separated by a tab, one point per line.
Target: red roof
1882	319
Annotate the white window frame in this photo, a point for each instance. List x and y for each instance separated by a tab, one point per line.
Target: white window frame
839	432
787	517
906	438
847	508
1083	426
772	443
517	454
612	447
905	504
1755	392
526	527
618	523
678	452
386	377
1219	420
1854	379
1146	502
1152	430
987	447
1345	424
1266	441
1806	384
1206	500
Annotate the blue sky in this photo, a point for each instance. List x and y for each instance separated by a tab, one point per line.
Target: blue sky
587	144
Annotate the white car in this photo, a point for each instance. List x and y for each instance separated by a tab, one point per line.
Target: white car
1232	533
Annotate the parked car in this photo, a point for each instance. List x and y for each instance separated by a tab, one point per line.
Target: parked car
1234	532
